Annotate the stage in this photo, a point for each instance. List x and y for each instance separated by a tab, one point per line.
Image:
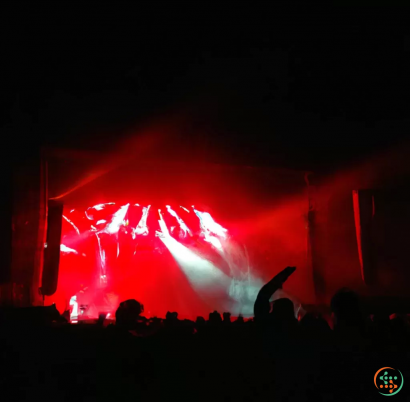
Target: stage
186	241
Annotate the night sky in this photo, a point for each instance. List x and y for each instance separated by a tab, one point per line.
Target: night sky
301	88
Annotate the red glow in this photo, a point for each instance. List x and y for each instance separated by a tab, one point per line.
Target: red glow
65	249
72	224
182	224
142	228
117	220
209	225
148	256
356	210
120	260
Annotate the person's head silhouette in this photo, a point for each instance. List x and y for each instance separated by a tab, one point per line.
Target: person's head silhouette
128	313
283	310
345	307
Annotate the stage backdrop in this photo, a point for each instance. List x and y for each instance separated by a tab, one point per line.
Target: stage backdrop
384	180
220	234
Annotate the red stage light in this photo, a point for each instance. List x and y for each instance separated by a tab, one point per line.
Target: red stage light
156	262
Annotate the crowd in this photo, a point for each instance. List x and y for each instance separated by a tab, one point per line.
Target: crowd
273	356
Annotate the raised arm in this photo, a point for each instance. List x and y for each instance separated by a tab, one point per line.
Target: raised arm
261	307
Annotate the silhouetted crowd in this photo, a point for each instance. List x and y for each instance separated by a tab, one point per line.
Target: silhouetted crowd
274	356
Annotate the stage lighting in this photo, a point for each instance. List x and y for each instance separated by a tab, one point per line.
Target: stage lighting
221	286
163	226
72	224
102	255
208	224
117	220
201	273
213	240
68	250
142	228
98	207
182	224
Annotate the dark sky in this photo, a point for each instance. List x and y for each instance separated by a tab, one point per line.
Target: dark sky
304	88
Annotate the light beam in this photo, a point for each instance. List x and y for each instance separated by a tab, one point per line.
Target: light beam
142	228
72	224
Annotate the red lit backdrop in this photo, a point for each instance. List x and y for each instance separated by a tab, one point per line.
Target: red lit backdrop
186	240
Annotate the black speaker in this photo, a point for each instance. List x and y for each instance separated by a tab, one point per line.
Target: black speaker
49	278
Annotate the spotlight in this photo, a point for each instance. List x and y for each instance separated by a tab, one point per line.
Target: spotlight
100	207
163	226
72	224
117	220
201	273
159	234
182	224
142	228
208	224
68	250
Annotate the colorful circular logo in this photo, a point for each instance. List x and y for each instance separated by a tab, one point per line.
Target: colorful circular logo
388	381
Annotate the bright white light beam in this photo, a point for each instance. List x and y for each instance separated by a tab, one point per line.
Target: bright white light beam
209	224
68	250
72	224
98	207
184	227
117	220
202	274
142	228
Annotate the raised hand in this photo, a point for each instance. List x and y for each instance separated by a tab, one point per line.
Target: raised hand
283	275
262	306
